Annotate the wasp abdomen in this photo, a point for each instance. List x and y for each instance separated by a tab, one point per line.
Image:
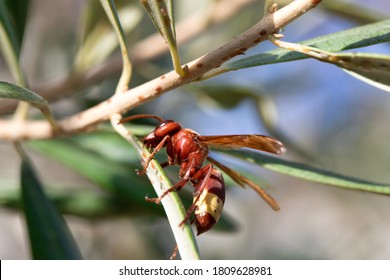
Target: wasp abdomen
209	206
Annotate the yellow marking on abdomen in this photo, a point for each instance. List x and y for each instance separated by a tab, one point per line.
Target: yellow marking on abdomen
210	203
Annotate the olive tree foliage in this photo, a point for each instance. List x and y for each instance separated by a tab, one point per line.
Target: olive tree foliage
128	53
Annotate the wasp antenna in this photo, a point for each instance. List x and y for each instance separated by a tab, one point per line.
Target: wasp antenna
141	116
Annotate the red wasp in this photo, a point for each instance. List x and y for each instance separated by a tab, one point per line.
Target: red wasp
189	150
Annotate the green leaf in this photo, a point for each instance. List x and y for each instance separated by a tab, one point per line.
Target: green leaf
75	201
118	179
12	23
372	69
8	90
311	173
109	146
49	235
162	16
158	13
357	37
18	11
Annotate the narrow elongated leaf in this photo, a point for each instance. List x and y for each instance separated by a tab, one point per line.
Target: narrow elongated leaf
75	201
162	17
49	235
18	11
8	35
158	13
12	91
12	21
371	68
357	37
118	179
311	173
8	90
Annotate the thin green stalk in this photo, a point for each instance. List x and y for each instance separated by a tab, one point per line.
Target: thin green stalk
162	17
112	15
172	204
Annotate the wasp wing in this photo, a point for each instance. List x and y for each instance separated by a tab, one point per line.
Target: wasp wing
253	141
244	181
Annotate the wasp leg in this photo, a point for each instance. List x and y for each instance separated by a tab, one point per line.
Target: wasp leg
154	152
204	170
177	187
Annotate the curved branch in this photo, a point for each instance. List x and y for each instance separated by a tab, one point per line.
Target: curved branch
270	24
150	47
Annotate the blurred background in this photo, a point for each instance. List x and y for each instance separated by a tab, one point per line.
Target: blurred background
326	117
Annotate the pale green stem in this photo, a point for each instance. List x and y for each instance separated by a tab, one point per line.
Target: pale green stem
172	204
112	14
